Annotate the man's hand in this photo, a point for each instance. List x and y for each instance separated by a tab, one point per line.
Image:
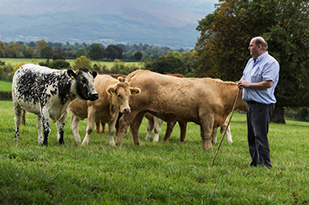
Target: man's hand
242	83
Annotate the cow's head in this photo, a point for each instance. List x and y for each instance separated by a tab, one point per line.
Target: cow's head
84	84
120	94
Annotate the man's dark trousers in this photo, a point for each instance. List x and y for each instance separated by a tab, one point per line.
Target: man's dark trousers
258	118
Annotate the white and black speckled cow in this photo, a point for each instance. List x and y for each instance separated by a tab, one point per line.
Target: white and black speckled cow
47	93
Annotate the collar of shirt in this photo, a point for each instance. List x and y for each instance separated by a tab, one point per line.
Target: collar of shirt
260	57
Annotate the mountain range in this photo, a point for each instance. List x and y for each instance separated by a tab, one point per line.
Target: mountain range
169	23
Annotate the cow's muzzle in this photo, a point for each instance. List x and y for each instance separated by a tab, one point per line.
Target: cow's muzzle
93	97
126	110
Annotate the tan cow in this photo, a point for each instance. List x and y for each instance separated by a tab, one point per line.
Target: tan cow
156	124
204	101
113	98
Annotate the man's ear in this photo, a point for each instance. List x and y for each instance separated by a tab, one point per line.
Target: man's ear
71	73
94	74
110	90
135	91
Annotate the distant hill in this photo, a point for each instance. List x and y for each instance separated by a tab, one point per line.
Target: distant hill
108	22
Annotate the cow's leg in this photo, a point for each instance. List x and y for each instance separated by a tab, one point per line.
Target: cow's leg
17	111
74	125
228	131
135	127
214	135
46	127
169	128
111	130
103	128
123	123
60	131
183	130
207	122
90	125
150	125
39	127
229	135
97	124
157	128
60	127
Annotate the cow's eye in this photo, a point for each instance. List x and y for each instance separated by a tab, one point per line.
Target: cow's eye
119	96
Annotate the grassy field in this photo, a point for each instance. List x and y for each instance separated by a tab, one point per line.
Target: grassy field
153	173
5	86
17	61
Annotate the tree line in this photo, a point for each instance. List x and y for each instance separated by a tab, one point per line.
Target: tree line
94	51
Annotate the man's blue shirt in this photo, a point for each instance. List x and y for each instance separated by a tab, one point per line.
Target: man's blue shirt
266	67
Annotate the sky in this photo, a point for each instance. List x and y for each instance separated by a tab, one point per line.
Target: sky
107	21
171	12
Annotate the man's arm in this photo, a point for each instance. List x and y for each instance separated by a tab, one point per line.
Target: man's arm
263	85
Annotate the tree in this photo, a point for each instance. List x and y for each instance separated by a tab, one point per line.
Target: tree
58	54
46	52
40	46
59	64
165	65
188	60
96	51
80	52
112	52
27	51
82	62
13	50
2	49
138	55
225	34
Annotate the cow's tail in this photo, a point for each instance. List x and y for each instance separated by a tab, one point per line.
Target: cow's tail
23	117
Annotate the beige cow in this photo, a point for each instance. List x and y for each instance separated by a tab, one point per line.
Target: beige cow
204	101
113	98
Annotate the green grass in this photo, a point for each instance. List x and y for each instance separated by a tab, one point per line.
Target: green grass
153	173
17	61
5	86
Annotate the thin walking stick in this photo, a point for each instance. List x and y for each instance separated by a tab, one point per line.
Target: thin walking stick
228	124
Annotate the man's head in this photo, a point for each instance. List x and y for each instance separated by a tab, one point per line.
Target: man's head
257	46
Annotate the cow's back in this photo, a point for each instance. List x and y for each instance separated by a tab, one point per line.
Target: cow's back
169	98
33	86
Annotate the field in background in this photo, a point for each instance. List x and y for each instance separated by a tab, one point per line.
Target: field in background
153	173
17	61
5	86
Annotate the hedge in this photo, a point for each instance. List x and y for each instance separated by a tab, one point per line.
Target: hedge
5	95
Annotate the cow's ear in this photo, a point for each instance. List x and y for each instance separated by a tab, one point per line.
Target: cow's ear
110	90
135	91
121	79
94	74
71	74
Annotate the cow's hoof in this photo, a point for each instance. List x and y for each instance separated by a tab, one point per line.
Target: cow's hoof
112	144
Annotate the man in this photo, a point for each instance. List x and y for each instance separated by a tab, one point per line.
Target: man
259	80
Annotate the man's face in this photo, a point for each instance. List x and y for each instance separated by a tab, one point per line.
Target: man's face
253	49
